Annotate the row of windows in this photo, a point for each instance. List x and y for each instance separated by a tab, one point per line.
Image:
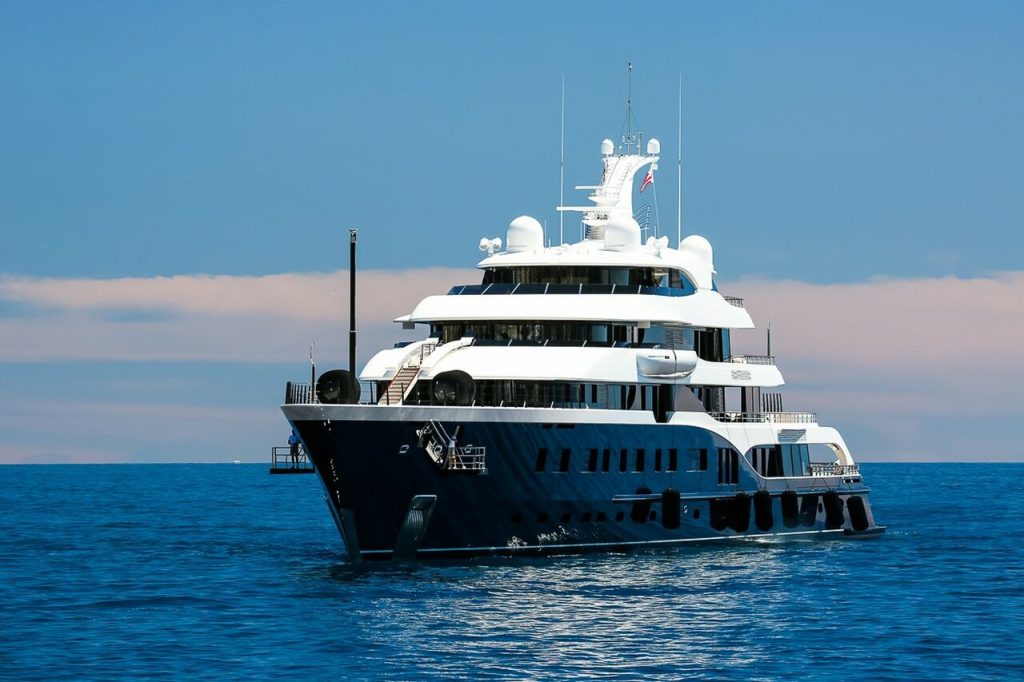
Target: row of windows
582	274
770	461
710	344
514	393
605	460
696	460
517	330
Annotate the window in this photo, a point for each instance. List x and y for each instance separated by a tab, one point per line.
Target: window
698	459
640	455
657	459
623	456
563	465
673	459
592	460
542	459
773	468
606	456
728	466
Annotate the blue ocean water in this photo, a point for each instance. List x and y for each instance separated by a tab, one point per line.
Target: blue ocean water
226	572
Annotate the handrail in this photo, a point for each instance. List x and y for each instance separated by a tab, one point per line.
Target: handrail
834	469
752	359
734	301
767	417
281	458
525	288
298	394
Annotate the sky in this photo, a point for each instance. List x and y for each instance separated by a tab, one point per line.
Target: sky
178	180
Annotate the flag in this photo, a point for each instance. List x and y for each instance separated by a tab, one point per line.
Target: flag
648	179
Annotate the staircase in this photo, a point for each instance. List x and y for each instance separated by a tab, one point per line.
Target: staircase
399	385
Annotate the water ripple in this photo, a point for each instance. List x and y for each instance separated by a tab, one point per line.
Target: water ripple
209	572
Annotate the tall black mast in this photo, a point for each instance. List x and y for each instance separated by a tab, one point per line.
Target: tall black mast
352	301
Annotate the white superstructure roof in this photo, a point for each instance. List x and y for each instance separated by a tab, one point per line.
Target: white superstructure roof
704	308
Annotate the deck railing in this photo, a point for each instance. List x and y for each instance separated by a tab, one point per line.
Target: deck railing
753	359
283	460
525	288
298	394
834	469
769	417
469	458
734	301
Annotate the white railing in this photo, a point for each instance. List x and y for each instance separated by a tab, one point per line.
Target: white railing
769	417
834	469
753	359
468	458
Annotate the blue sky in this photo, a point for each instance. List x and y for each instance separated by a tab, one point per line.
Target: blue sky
833	144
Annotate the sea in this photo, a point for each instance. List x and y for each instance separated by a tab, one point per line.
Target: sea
222	571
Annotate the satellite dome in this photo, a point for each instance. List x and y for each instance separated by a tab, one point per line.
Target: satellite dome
653	146
524	234
700	250
697	245
607	147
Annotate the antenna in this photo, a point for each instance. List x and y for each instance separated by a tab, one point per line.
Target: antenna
769	339
629	107
679	171
561	173
631	143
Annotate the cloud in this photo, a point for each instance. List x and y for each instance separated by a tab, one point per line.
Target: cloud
919	368
270	318
906	368
949	325
303	296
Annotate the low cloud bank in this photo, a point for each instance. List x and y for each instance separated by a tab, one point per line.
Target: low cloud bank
910	364
947	325
270	318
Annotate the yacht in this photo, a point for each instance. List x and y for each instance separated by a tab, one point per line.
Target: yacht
578	397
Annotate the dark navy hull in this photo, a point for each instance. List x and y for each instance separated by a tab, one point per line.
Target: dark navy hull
558	488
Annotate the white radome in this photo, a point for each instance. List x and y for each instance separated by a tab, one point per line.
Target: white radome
525	233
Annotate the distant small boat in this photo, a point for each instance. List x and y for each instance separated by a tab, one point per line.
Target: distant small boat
237	461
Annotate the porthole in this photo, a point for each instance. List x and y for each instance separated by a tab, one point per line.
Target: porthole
586	517
696	513
543	518
517	518
601	517
566	517
619	516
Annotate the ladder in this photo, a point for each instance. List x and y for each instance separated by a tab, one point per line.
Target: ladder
399	385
